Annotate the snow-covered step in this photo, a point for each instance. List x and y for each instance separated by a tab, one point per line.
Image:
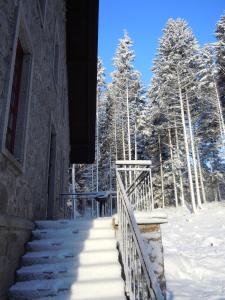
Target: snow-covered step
70	233
88	289
113	288
70	263
39	288
76	236
38	234
76	244
48	257
79	223
68	296
57	256
59	270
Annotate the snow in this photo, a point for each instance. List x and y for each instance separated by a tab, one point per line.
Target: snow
82	265
194	248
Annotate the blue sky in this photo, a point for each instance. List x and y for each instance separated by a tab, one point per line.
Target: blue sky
144	21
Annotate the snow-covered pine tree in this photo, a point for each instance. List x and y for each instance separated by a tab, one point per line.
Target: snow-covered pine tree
210	129
175	92
220	35
127	92
100	117
208	76
109	142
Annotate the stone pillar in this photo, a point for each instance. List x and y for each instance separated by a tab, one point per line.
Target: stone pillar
149	225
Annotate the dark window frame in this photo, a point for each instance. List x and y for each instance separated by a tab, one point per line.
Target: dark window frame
17	159
15	99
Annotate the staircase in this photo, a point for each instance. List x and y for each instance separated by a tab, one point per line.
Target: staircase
70	260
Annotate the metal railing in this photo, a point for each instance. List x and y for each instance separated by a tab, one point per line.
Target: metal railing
137	178
141	282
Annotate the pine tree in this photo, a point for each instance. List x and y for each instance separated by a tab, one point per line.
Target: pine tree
220	35
109	142
174	92
100	115
127	92
210	130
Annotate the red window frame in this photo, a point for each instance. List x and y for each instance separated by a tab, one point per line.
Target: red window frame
14	101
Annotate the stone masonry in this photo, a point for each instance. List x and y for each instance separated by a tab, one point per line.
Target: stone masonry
24	184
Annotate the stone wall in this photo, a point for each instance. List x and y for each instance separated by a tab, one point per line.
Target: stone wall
24	188
14	233
24	183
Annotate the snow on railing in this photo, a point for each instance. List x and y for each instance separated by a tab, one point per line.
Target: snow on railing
141	282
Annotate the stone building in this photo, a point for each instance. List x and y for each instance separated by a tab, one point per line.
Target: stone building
42	41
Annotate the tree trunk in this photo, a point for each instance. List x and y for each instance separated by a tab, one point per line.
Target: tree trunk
110	170
128	131
135	142
193	154
172	161
123	143
97	146
115	135
124	157
110	179
219	194
161	172
186	147
180	173
128	124
201	176
220	112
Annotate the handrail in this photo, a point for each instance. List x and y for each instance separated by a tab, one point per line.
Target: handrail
137	179
134	162
141	282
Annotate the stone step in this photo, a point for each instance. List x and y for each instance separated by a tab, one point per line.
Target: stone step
70	232
68	296
70	260
58	256
112	289
60	270
78	223
90	289
75	245
48	257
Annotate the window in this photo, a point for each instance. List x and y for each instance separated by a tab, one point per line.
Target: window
16	103
15	98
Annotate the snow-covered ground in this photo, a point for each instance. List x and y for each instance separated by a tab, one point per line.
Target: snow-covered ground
194	248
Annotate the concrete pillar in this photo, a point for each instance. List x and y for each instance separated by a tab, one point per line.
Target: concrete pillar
149	225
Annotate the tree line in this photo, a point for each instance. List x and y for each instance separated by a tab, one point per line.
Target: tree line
177	122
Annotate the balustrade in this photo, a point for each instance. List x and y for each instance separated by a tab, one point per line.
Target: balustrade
134	192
